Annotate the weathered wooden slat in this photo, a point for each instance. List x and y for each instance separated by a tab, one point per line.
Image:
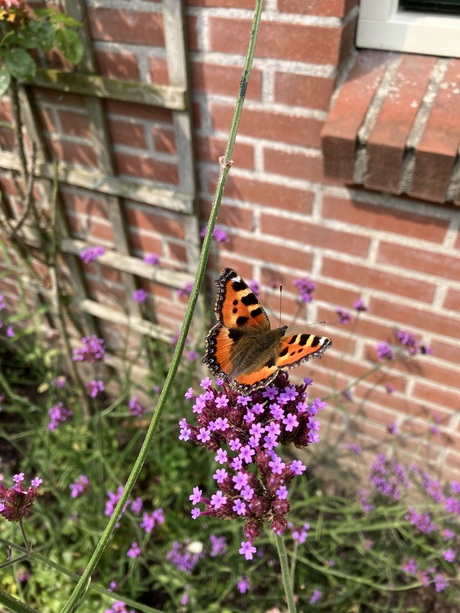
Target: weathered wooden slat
130	264
169	97
108	313
94	179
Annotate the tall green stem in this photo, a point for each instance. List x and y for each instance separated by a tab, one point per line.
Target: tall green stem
285	574
78	595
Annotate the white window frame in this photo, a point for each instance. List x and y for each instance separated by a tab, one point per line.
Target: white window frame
382	26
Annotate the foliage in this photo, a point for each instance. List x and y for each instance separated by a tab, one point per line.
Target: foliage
389	545
27	32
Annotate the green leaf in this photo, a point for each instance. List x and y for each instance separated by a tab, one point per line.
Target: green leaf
46	36
20	65
65	20
70	45
5	79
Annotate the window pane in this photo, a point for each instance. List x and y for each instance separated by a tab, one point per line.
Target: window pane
443	6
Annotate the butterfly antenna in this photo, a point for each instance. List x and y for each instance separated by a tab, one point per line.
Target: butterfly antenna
281	296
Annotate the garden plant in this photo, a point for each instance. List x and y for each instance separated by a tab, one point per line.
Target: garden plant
177	492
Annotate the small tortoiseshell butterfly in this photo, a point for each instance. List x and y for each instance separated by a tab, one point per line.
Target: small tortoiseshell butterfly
242	349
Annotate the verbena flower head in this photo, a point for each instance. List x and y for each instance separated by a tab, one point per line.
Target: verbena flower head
119	607
94	387
136	407
384	351
254	286
388	477
306	287
140	296
91	254
16	502
359	306
245	433
409	341
59	414
92	351
185	556
79	486
344	316
152	259
184	292
218	234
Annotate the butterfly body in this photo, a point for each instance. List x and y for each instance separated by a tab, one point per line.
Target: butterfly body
242	348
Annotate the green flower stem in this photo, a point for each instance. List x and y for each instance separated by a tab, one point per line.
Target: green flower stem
78	595
285	574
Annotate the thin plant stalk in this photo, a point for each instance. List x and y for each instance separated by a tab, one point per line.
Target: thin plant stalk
285	573
78	595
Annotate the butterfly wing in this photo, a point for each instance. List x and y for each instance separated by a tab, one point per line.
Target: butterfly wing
236	305
297	348
240	316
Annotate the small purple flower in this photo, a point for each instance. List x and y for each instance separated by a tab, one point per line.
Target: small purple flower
393	428
305	287
91	253
449	555
94	387
93	350
60	382
300	533
359	305
410	567
150	521
59	414
136	506
218	234
344	316
317	595
10	331
384	351
184	292
247	550
440	582
243	585
152	259
134	551
79	486
140	296
422	521
353	447
15	502
218	545
185	556
136	407
254	286
2	302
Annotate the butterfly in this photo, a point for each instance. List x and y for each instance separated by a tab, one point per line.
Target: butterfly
242	349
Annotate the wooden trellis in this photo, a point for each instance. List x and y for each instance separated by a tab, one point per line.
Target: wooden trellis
104	180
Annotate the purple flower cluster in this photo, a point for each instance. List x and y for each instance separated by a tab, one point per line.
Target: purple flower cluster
388	477
152	259
16	502
118	607
150	521
245	433
136	407
344	316
185	556
59	414
79	486
92	351
184	292
409	341
305	287
94	387
218	234
140	296
91	253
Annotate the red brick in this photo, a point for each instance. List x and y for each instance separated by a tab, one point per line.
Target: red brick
118	65
387	140
414	316
159	73
57	98
86	203
303	90
145	243
374	278
91	228
7	141
266	251
126	26
231	216
176	252
75	124
298	165
224	80
385	219
281	41
146	168
209	149
314	235
163	139
138	111
452	300
433	395
326	8
266	194
144	220
192	33
48	119
339	135
127	133
438	146
283	127
438	263
74	153
445	350
6	114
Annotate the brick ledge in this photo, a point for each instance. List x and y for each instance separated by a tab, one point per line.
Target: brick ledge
394	126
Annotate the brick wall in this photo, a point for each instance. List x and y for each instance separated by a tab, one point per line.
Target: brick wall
284	218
